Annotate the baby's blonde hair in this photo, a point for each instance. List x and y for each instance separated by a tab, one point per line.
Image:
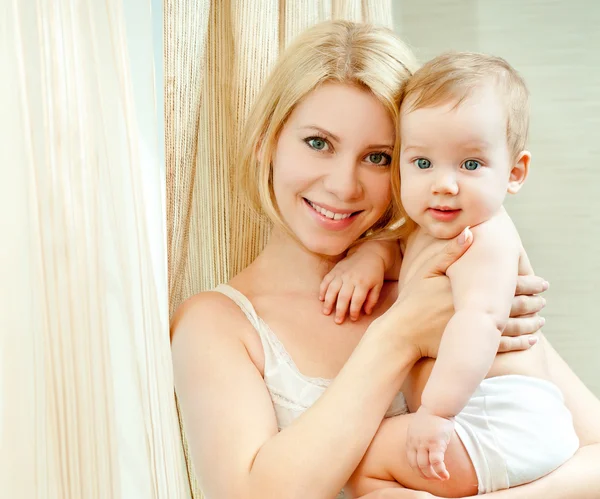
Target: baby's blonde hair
370	57
454	75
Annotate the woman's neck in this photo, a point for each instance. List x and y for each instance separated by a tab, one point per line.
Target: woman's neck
285	264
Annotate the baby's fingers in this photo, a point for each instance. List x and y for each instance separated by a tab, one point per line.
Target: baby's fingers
436	458
343	302
325	284
358	298
372	299
424	464
331	295
411	455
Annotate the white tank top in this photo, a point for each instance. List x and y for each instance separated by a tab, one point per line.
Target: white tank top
291	391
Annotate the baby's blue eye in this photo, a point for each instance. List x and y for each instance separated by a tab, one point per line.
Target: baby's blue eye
317	143
422	163
471	164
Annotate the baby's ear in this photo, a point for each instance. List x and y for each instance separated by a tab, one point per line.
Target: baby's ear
519	172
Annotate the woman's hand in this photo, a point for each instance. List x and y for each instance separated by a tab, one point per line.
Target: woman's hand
425	303
523	314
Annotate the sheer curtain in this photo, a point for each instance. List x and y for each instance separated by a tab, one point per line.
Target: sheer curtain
217	56
86	391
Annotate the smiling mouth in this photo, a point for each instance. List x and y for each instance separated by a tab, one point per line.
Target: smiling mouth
330	214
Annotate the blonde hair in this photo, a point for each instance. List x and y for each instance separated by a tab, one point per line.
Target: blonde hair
370	57
454	76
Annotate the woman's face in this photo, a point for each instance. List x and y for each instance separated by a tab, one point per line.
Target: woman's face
331	167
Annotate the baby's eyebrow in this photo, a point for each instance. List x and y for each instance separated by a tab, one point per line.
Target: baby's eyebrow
416	147
480	147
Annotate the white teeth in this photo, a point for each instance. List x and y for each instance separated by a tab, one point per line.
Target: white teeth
329	214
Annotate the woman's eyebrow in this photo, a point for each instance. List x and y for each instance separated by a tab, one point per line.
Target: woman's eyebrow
322	130
380	146
337	139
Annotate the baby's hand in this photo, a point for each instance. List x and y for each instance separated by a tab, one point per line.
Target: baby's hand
426	444
354	281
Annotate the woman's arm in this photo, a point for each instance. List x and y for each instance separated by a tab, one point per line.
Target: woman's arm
229	420
578	478
228	415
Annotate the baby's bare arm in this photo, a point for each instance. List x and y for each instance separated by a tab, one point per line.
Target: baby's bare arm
483	285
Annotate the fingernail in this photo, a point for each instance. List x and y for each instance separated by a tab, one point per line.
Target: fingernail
545	285
462	239
543	302
542	321
533	340
338	320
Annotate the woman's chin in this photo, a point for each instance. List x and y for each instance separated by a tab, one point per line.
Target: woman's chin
327	247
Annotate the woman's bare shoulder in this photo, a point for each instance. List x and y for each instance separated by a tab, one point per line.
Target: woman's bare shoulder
208	308
212	322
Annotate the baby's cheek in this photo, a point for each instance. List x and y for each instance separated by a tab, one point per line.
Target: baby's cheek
412	198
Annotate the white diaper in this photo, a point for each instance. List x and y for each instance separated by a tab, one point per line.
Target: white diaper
516	429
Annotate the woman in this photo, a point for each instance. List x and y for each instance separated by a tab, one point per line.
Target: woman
292	414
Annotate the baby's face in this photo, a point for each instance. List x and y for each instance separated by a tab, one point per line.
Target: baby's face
454	163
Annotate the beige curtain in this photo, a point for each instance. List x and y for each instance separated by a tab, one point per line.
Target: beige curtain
86	391
217	55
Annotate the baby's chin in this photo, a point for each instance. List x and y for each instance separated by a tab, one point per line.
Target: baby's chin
444	231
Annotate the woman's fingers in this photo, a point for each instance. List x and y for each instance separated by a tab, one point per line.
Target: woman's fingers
531	285
523	325
524	305
516	343
451	252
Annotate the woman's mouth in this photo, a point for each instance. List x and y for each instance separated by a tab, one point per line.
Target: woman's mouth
331	218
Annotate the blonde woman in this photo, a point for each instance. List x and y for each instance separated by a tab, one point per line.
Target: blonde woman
277	400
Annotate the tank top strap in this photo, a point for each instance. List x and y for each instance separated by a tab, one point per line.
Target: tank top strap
241	301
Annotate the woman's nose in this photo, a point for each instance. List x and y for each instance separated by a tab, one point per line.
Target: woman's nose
343	181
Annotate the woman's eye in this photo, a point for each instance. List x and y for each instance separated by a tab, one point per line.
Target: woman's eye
379	159
317	143
422	163
471	164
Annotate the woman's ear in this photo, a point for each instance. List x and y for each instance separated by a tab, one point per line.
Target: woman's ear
519	172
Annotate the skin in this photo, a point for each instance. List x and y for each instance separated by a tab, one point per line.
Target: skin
218	358
456	157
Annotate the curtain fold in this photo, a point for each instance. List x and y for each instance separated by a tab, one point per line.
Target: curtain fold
86	390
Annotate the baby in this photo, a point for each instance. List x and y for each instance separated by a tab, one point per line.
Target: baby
463	127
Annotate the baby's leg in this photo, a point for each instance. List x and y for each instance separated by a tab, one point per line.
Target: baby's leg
385	465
